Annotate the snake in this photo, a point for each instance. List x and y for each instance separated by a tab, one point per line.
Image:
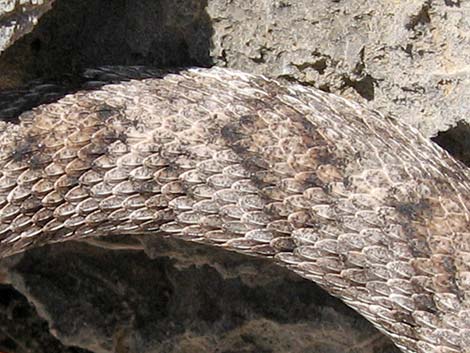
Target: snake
359	203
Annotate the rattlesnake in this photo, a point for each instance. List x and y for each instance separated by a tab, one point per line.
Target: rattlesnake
359	203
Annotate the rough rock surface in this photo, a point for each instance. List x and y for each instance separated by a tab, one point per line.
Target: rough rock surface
21	329
410	59
406	58
18	17
200	300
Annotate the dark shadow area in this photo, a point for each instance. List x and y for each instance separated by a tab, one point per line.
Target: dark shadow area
22	330
179	297
456	141
37	92
80	34
364	87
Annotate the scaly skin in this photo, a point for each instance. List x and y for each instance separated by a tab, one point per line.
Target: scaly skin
358	203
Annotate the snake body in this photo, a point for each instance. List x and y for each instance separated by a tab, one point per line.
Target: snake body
358	203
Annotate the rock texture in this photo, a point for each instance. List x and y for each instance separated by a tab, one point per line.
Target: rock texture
200	300
18	17
409	59
22	330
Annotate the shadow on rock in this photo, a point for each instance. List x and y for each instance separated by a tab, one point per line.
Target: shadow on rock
79	34
182	298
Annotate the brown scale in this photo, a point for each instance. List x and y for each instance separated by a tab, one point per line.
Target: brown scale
360	204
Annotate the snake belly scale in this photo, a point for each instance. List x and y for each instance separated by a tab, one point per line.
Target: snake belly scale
358	203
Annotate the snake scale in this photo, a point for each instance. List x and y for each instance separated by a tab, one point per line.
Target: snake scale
359	203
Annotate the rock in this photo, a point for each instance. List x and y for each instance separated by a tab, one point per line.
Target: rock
457	141
78	34
18	17
182	298
407	59
22	330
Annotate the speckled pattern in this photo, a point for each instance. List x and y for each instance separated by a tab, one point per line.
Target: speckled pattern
358	203
18	17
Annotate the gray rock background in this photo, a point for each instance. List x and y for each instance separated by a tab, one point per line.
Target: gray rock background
409	59
18	17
